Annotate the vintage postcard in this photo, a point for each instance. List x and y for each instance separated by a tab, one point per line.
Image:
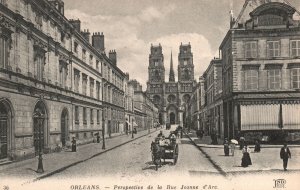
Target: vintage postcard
149	94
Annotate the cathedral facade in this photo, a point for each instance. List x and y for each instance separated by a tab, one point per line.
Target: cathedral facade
171	97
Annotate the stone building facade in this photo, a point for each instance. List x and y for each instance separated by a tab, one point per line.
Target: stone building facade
211	103
171	97
129	105
53	80
261	73
146	112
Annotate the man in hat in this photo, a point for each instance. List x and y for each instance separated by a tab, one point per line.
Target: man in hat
285	154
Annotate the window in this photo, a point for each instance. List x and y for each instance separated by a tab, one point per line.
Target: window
295	76
39	62
75	47
91	59
91	87
84	84
273	49
4	52
251	79
76	80
250	49
185	62
92	116
63	73
97	65
274	79
155	63
98	116
98	90
295	48
84	115
76	115
84	55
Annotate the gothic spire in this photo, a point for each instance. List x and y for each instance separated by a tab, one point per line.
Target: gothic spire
171	74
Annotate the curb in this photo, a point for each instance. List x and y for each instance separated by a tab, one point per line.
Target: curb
80	161
218	168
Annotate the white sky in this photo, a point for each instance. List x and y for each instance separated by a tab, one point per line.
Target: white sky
130	26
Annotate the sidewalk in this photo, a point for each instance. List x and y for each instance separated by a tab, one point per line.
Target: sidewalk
56	162
206	142
267	160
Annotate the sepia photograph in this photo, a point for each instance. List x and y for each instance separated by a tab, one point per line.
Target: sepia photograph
149	94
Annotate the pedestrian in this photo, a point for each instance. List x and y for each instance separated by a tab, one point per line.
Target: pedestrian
232	148
242	142
201	134
98	138
73	144
257	146
246	159
226	147
285	154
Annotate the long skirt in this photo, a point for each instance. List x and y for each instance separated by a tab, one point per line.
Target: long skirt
246	160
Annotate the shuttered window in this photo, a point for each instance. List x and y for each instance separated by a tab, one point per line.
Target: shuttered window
251	49
295	48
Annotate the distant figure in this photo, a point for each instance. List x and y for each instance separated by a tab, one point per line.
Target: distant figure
246	159
98	138
257	146
242	142
226	148
285	154
232	148
134	131
199	133
73	144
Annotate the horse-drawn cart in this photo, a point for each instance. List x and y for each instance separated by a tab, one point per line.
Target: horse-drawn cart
163	149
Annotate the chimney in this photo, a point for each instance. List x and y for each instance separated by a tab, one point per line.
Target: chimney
113	56
76	24
98	42
86	35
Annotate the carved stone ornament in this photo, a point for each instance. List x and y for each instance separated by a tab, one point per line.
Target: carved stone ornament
5	30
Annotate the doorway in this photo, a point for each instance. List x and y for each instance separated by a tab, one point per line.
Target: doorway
172	118
64	127
3	131
39	125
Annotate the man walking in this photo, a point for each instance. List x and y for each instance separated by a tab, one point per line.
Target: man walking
285	154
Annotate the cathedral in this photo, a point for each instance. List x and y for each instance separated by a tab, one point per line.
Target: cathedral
171	97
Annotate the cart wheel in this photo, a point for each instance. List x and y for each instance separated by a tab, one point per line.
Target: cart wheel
175	159
175	154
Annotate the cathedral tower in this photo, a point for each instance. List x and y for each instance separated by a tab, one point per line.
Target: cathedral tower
185	64
156	69
156	79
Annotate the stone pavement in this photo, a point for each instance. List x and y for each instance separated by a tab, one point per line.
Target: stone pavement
267	160
56	162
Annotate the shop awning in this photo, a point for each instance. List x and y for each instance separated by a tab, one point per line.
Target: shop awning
270	117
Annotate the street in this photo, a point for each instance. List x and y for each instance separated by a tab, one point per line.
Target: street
135	158
130	164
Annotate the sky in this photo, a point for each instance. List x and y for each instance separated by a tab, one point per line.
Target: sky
131	26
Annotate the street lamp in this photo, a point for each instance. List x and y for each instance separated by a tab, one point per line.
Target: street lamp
39	116
103	130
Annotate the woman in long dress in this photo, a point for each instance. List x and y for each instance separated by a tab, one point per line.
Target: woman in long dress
246	159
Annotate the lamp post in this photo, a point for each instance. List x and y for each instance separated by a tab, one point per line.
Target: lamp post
103	130
39	116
